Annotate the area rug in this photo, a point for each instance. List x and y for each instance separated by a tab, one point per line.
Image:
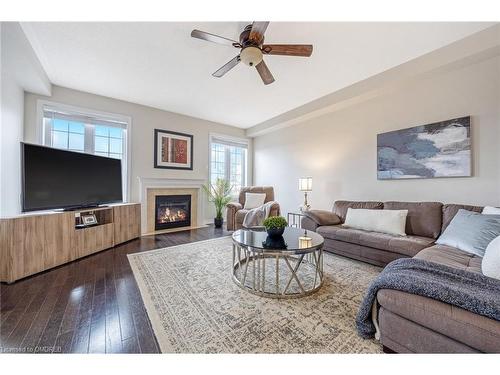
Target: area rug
195	307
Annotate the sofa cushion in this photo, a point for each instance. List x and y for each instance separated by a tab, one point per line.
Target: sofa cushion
408	245
450	210
461	325
370	255
450	256
340	207
423	219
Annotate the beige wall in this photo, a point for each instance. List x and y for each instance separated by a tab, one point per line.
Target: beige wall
20	70
339	149
144	121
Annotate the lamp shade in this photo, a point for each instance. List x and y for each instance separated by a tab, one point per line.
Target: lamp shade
251	56
305	183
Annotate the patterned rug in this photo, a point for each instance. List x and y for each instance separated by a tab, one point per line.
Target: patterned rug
195	307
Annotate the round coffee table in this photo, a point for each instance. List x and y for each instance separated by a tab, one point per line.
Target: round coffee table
287	267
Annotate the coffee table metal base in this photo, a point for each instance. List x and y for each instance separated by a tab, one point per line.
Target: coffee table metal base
277	274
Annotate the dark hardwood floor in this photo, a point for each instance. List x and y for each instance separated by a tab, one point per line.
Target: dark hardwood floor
91	305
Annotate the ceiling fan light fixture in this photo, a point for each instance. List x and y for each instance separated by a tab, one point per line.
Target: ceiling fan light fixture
252	48
251	56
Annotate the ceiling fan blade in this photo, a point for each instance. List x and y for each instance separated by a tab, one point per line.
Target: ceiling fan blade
257	32
227	67
214	38
264	72
304	50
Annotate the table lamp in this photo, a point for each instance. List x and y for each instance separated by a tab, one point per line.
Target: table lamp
305	185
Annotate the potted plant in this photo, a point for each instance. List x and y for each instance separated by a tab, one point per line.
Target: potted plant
220	195
275	226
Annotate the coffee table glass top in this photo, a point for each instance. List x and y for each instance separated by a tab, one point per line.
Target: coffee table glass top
294	239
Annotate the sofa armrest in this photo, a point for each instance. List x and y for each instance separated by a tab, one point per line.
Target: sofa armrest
308	224
322	217
275	209
315	218
232	208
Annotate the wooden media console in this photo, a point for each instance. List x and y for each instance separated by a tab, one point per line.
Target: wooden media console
35	242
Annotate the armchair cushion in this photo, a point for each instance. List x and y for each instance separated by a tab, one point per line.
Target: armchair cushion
322	217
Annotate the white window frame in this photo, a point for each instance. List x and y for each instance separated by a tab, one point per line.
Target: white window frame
213	138
43	105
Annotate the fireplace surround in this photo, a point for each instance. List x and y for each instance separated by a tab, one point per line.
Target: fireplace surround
151	187
172	211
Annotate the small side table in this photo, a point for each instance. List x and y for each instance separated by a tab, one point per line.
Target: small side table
294	218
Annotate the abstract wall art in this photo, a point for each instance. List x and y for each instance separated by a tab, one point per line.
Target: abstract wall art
173	150
441	149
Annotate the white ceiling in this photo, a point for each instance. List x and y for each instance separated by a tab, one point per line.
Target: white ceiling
160	65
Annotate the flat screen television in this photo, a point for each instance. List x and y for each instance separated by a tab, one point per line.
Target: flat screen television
53	178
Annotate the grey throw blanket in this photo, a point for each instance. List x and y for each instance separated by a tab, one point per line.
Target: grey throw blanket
256	216
467	290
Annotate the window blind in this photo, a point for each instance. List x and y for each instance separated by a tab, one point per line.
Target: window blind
59	115
230	142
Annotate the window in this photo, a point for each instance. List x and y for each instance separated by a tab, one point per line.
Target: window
108	141
77	131
228	160
68	135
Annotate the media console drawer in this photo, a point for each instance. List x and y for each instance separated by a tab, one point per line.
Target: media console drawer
33	243
127	221
93	239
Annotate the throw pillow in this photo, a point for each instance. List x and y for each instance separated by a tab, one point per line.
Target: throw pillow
488	210
384	221
254	200
471	231
491	261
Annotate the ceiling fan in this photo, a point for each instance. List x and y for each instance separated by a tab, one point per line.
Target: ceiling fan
252	49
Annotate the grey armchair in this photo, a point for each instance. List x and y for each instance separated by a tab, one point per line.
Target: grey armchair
236	213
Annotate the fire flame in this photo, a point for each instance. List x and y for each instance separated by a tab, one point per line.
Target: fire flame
167	215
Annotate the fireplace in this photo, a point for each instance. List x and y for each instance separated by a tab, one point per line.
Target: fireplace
172	211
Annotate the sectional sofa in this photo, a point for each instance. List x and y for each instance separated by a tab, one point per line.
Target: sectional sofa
410	323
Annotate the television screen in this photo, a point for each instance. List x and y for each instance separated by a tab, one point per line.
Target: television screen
54	178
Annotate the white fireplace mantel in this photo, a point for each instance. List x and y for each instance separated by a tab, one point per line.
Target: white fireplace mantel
146	183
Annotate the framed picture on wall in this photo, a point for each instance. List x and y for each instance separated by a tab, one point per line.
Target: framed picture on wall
440	149
173	150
